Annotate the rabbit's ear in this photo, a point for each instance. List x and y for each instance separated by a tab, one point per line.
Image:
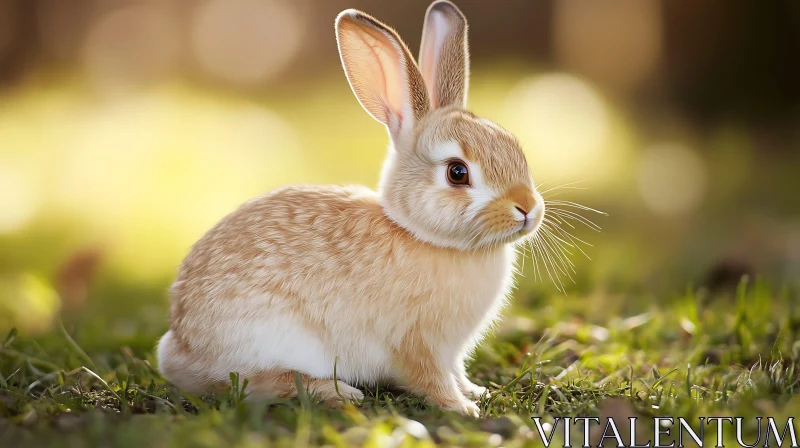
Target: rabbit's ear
444	55
381	71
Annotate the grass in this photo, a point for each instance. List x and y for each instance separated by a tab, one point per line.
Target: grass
629	344
88	383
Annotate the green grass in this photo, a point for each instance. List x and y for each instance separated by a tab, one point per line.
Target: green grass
90	383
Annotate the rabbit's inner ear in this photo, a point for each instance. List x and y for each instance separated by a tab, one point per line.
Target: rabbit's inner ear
380	71
444	55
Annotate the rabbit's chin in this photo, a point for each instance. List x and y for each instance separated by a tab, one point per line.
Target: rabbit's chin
494	240
516	236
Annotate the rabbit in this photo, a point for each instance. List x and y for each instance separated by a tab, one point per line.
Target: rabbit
398	285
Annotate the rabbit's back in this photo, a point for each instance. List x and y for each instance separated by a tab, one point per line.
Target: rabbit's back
282	244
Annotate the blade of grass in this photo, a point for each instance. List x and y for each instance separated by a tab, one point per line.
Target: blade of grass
77	347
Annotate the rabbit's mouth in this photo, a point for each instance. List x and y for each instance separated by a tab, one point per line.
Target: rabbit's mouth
532	219
524	225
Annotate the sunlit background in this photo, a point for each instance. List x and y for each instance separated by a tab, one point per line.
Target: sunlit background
128	128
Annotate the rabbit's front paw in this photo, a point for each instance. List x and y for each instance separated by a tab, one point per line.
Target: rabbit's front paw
465	407
471	390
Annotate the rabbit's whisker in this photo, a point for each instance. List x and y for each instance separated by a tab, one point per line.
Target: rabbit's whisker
558	187
557	220
535	260
565	264
566	214
575	205
574	240
551	226
549	265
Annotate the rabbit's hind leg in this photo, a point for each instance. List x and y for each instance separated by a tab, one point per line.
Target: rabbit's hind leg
181	367
282	384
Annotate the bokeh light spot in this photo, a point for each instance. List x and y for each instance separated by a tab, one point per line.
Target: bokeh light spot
18	198
616	43
562	122
131	45
142	177
28	301
672	178
246	41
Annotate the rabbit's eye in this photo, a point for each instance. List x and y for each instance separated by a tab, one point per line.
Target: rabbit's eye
457	173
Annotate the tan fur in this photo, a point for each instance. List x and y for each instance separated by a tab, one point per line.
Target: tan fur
399	284
284	385
522	196
422	372
445	69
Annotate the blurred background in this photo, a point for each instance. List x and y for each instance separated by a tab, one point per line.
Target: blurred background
129	127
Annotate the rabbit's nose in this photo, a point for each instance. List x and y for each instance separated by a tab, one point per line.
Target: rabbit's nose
523	198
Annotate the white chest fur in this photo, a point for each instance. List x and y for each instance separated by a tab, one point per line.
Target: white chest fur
472	291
